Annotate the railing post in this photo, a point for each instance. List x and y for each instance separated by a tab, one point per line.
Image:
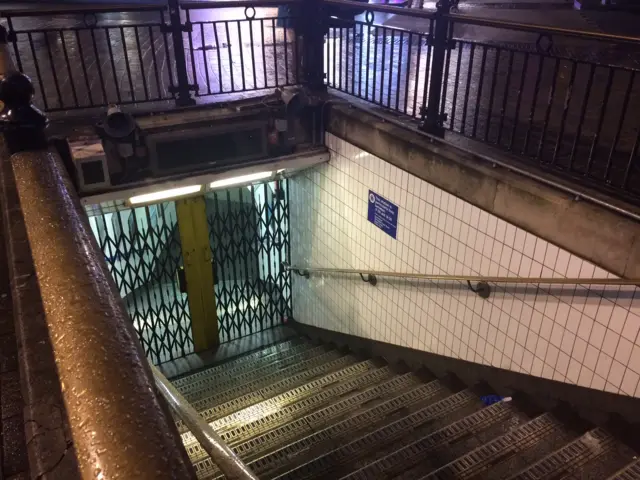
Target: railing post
432	121
182	91
21	123
312	22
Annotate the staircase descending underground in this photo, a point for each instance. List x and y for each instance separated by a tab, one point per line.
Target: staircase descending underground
299	410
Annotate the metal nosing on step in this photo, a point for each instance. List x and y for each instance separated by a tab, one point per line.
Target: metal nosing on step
450	433
248	359
227	395
289	412
589	446
285	398
385	434
304	425
497	450
201	379
281	457
276	388
630	472
205	387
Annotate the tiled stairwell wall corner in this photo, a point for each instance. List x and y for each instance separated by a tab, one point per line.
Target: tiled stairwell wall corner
575	334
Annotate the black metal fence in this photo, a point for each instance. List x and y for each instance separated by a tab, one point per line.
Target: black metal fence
96	56
554	98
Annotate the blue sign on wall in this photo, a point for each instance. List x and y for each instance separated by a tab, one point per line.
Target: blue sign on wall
383	214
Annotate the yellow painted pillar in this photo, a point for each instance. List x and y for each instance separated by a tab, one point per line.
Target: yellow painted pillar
198	270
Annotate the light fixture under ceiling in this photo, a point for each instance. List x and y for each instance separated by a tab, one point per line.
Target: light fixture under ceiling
253	177
165	194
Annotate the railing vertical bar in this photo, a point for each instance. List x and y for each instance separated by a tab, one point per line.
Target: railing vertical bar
214	26
191	49
623	114
36	64
603	109
346	61
455	87
296	57
368	61
565	111
427	76
585	103
253	55
476	113
233	84
493	92
53	68
264	54
156	72
16	51
333	82
390	86
205	63
166	51
417	82
340	60
145	87
465	107
99	66
503	109
127	65
408	74
382	64
552	92
275	51
445	80
63	42
353	63
533	105
242	69
630	163
516	118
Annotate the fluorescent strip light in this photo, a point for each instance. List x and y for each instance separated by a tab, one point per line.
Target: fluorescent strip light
241	179
280	171
165	194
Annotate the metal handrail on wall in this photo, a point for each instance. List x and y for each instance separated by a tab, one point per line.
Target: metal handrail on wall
482	287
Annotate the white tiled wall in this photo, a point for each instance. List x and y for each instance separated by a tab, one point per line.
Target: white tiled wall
581	335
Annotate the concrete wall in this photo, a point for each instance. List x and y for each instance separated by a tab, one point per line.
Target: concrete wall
580	335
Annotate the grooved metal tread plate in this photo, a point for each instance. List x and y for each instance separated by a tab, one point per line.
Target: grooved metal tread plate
497	450
245	360
592	444
333	433
305	425
203	387
384	435
413	452
272	413
258	410
630	472
282	386
273	377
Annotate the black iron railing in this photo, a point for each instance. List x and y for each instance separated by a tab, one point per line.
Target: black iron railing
96	56
553	97
558	99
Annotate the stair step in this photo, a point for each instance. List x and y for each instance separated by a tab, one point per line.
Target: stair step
258	446
441	444
369	419
264	393
272	413
496	458
290	396
572	460
325	464
311	364
203	387
629	472
248	361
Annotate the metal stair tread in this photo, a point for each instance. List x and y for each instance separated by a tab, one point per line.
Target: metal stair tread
237	390
628	472
203	388
308	424
204	378
248	358
358	422
360	445
234	434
